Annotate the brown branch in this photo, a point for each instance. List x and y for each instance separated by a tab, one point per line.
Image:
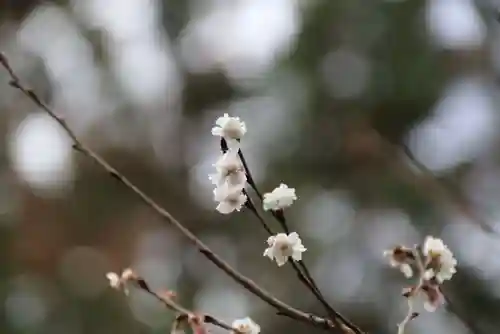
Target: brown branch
181	311
244	281
431	185
299	267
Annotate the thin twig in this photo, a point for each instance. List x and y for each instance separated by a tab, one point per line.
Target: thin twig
174	306
251	206
410	315
244	281
300	268
435	188
250	179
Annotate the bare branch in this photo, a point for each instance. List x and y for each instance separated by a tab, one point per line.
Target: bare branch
300	267
244	281
181	311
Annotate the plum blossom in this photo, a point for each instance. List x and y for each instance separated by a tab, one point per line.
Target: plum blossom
281	197
441	263
282	246
119	282
229	128
230	198
246	326
229	169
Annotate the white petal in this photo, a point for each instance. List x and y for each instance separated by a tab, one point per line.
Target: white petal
406	270
429	274
127	274
294	238
270	240
225	208
297	255
299	248
221	121
269	253
216	179
429	306
114	280
237	179
216	131
280	259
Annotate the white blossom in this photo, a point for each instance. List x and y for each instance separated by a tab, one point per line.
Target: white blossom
281	197
230	198
229	128
441	263
406	270
229	169
433	246
282	246
119	282
114	280
246	326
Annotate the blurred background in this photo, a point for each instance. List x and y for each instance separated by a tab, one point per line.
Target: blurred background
382	114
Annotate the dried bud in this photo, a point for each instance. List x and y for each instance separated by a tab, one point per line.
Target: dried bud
409	291
434	297
120	282
402	258
197	323
167	294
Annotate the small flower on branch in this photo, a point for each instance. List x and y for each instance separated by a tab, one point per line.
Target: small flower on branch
434	263
280	198
120	282
229	128
441	263
283	246
245	326
230	198
229	169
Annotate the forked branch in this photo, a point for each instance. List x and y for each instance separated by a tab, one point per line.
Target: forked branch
242	280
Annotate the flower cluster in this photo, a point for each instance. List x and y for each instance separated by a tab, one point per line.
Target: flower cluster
230	177
433	263
230	180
